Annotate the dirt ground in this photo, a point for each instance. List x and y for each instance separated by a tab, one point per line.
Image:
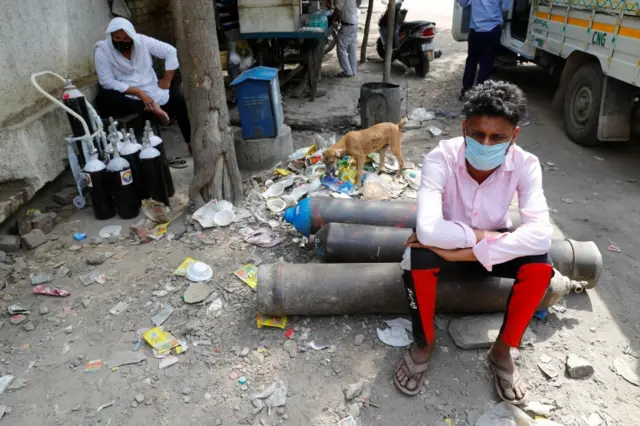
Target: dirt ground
50	386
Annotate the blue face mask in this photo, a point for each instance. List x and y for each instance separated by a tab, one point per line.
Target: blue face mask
485	157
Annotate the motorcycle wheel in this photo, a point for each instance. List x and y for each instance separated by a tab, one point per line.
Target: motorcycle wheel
380	48
422	67
331	41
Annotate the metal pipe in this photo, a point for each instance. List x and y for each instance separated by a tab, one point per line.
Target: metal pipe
312	213
354	243
377	288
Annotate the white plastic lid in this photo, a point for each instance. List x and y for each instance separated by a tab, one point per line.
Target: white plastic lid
199	271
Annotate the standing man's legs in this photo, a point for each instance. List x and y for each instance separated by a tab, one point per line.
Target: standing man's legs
353	50
532	276
490	47
344	38
471	64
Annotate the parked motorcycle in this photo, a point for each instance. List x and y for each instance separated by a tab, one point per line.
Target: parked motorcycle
413	41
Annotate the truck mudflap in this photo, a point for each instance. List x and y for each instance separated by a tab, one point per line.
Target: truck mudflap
614	123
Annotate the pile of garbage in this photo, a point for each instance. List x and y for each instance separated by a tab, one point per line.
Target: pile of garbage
305	174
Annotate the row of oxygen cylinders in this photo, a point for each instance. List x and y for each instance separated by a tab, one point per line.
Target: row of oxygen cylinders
127	173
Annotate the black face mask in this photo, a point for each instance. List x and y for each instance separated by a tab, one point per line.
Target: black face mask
123	46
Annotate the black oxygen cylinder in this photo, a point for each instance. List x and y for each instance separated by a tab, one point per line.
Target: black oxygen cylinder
130	152
157	143
96	177
75	100
121	187
153	172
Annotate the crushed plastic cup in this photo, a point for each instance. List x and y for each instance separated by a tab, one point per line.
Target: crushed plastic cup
316	170
412	177
223	218
274	190
199	271
421	114
207	214
276	205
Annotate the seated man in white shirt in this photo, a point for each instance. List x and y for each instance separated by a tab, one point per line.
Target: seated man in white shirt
128	83
467	186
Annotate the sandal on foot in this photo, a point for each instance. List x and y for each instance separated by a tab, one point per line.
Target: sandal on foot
177	162
414	369
512	379
343	75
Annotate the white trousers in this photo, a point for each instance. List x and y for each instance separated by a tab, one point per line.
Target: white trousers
347	48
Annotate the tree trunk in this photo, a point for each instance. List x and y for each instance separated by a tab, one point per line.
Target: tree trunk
365	40
216	172
391	19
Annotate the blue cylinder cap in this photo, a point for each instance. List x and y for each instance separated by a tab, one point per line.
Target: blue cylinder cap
300	216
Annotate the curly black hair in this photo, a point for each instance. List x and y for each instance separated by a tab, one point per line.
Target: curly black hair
495	99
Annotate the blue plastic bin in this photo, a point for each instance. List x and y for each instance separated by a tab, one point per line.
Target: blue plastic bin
259	102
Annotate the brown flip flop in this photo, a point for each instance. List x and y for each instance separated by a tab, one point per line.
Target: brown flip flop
512	379
414	369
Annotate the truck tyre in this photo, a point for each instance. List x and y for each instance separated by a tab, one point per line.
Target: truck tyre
582	104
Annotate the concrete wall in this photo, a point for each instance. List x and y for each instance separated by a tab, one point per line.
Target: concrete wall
36	35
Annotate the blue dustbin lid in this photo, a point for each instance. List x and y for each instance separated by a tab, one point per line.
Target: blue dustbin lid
257	73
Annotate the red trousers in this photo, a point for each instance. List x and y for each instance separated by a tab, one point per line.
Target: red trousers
532	276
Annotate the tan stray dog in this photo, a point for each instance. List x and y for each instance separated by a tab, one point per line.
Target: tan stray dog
359	144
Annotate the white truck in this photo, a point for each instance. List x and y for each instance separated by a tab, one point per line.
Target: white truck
592	47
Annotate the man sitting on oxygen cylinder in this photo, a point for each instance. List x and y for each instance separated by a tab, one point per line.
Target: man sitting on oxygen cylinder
467	186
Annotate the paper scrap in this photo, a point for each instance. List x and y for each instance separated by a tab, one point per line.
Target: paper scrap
159	318
119	308
182	269
248	274
93	366
396	335
349	421
168	361
278	322
160	339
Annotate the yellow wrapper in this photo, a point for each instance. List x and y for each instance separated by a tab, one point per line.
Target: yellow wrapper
160	340
248	274
347	174
182	269
282	172
278	322
158	231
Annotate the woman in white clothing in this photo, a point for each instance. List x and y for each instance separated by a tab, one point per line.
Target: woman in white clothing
128	83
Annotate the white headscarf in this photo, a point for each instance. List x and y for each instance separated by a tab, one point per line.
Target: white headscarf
140	57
